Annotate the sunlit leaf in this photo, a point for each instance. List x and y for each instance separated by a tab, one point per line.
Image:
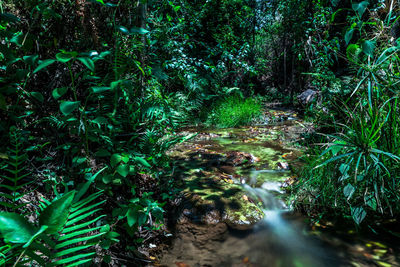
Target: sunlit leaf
65	56
55	215
67	107
15	228
123	29
123	170
139	30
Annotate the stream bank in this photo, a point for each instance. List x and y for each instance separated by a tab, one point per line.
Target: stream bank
233	209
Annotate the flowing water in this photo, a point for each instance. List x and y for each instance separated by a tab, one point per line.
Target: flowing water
282	238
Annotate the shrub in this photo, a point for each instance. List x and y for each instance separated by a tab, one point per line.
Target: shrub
235	111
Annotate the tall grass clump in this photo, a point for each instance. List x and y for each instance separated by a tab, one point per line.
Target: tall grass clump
235	111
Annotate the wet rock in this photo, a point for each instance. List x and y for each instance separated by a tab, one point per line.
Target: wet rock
240	158
283	165
307	97
211	201
245	217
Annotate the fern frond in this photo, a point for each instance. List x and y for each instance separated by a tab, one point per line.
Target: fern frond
74	245
71	245
55	122
12	180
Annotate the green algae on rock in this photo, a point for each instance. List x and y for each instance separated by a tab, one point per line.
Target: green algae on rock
212	201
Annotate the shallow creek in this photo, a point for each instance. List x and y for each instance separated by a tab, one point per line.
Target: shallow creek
253	163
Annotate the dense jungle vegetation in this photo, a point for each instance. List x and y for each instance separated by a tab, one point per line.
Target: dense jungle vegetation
94	92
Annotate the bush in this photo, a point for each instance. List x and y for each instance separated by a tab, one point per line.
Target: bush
235	111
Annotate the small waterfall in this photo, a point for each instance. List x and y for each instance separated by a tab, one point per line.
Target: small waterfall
297	249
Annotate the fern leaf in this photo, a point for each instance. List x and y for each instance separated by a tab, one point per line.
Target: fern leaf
79	226
74	258
76	233
80	211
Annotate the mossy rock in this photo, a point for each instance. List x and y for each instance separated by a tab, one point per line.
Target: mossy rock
211	201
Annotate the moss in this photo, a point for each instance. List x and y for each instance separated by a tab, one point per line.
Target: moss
230	200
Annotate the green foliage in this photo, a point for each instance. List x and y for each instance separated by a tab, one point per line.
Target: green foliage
60	236
235	111
139	211
15	178
357	174
107	85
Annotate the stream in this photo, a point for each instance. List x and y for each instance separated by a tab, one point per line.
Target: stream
227	175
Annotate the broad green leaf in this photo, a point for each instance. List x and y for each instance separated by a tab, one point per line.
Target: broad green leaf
43	64
344	168
132	216
15	228
107	178
139	30
31	60
100	89
64	56
360	8
115	84
38	96
348	36
56	214
352	52
358	214
115	159
370	200
123	170
348	191
41	230
123	29
368	47
100	1
87	62
59	92
17	38
125	158
142	161
67	107
104	54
